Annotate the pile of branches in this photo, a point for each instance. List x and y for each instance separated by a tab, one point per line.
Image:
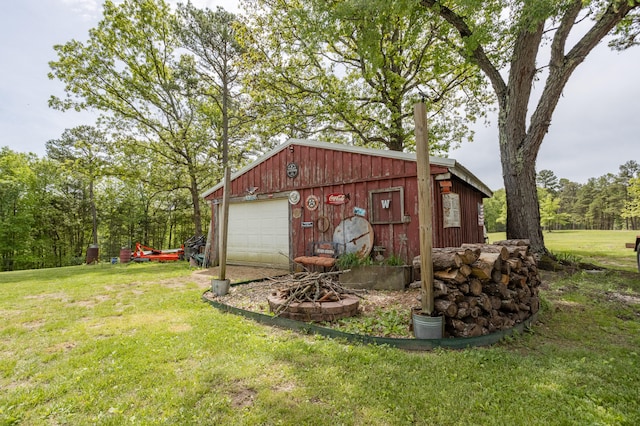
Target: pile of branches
312	287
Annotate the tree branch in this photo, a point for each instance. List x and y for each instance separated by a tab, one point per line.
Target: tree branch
478	53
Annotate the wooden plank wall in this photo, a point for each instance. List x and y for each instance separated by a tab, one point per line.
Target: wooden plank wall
323	172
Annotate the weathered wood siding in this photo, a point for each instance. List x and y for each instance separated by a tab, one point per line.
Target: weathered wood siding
324	171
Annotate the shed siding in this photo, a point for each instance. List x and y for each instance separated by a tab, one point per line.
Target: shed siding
324	171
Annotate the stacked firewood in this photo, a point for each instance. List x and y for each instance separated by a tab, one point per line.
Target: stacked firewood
482	288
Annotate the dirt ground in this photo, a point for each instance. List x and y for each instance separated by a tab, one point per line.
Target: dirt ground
263	282
235	274
253	296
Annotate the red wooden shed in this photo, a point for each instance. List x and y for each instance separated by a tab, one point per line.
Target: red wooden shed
305	191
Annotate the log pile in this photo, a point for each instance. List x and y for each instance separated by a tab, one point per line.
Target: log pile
482	288
311	287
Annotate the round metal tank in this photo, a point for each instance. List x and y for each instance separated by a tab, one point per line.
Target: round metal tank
92	254
125	255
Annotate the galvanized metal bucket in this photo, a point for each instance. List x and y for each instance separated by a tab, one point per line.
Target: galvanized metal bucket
427	327
220	287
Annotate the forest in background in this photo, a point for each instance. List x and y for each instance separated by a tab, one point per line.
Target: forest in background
607	202
46	206
184	93
46	212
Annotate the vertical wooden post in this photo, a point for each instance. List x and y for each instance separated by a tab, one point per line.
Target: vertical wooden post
224	224
424	207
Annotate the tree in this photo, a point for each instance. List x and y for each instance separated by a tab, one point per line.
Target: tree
494	34
81	150
495	211
143	198
351	71
629	171
211	38
568	196
16	209
50	244
548	180
632	205
130	70
600	201
550	215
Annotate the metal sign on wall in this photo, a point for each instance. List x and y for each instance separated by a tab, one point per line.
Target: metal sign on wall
292	170
336	199
451	210
312	202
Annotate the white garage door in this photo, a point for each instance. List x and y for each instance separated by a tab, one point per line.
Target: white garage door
258	233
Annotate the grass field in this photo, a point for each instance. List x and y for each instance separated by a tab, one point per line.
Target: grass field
116	344
604	248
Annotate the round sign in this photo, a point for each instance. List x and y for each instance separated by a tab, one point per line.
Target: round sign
312	202
294	197
354	235
292	170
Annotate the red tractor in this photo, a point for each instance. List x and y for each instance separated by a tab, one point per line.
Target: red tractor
147	254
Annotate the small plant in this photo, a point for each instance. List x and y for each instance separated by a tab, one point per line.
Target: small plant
392	322
349	260
567	258
394	260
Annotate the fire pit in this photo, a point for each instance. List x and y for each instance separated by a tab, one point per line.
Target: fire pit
314	311
314	297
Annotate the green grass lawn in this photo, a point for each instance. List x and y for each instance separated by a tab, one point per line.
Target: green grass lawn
605	248
114	344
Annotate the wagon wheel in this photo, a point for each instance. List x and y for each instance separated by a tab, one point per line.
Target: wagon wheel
323	223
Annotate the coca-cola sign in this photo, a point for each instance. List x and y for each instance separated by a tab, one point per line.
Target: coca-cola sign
337	199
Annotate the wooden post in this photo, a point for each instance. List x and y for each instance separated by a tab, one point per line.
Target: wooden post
224	222
424	207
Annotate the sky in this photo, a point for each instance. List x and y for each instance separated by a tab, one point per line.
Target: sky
595	128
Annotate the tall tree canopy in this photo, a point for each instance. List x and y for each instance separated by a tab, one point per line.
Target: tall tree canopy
211	37
504	39
131	69
16	212
82	150
351	71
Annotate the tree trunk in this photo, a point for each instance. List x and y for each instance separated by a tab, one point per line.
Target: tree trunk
523	210
519	144
517	152
195	199
94	214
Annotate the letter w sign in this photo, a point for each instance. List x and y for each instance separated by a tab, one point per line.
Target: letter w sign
385	203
